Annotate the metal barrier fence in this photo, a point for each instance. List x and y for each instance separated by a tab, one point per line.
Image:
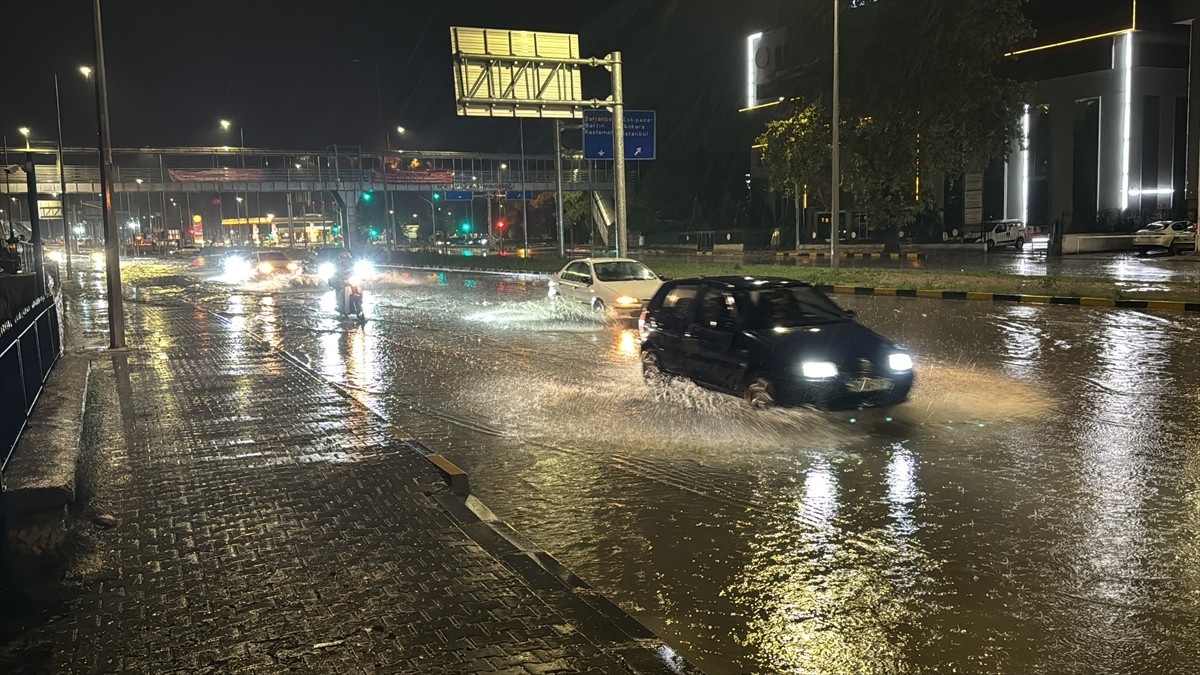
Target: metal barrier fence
30	344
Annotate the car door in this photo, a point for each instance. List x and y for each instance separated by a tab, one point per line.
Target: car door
575	280
1184	237
671	321
708	342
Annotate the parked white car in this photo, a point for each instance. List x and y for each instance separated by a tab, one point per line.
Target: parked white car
619	284
1172	236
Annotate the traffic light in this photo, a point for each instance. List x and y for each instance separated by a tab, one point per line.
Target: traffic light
500	225
437	196
465	228
367	196
373	232
337	229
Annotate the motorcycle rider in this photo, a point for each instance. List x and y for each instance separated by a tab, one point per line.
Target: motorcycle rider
339	281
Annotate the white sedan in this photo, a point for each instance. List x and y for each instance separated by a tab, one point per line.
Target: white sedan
1171	236
620	284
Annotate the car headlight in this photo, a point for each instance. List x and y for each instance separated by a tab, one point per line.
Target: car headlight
819	370
900	362
56	256
237	265
325	271
97	256
292	267
265	268
627	300
364	269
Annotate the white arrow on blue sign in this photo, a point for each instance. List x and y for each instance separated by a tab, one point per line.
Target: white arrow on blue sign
598	135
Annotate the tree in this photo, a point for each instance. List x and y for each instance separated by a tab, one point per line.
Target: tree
796	152
921	95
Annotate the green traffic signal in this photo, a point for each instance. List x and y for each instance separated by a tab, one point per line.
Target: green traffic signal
374	233
465	227
437	196
367	196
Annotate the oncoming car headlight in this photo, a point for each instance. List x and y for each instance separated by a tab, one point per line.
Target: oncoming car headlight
900	362
237	266
325	271
98	256
265	268
818	370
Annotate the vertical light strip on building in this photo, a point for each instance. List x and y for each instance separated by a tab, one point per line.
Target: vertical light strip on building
1126	125
1025	166
750	43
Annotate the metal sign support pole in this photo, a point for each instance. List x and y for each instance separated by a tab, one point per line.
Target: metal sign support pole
524	200
62	181
35	227
619	154
562	248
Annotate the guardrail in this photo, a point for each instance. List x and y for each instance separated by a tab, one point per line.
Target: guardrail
30	344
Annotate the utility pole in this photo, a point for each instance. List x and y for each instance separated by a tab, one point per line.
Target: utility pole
836	183
524	195
562	251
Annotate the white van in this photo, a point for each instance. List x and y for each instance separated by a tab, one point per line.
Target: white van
993	233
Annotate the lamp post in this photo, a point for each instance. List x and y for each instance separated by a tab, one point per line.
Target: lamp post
432	218
25	132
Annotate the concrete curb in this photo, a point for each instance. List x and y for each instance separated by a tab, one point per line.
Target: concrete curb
1168	305
40	482
869	255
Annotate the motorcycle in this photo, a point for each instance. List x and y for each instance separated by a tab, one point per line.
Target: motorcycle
350	300
348	286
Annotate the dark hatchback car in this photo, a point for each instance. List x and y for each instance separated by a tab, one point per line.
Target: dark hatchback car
771	340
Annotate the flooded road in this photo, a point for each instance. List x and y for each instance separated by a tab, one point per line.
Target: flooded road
1034	508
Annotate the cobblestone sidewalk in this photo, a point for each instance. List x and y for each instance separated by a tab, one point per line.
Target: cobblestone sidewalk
264	523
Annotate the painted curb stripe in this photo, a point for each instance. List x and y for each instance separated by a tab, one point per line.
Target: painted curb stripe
1169	305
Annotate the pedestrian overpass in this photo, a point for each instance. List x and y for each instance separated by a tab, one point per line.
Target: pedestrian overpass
346	173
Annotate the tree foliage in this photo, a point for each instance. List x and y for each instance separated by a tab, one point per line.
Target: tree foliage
796	151
920	95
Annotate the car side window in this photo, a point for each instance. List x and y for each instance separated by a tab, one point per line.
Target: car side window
680	301
717	311
577	272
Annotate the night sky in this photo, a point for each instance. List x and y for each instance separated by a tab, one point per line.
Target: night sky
304	74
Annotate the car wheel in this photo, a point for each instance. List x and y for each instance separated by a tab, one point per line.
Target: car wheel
760	393
597	304
987	245
1020	243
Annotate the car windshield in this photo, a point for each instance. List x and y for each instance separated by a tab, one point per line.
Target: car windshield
1156	226
786	307
623	270
272	256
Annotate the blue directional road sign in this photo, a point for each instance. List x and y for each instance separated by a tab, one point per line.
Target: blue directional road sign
515	195
459	195
598	135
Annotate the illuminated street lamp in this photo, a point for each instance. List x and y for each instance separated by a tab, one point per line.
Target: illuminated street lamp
85	71
400	130
25	132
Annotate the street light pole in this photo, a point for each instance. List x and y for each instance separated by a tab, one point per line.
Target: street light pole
62	180
112	244
836	183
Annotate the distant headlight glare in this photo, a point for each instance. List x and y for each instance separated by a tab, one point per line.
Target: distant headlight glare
900	362
818	370
325	271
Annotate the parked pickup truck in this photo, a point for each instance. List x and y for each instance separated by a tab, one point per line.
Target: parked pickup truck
993	233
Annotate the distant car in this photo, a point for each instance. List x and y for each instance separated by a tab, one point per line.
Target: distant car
995	233
209	256
771	340
621	284
1172	236
269	263
184	251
